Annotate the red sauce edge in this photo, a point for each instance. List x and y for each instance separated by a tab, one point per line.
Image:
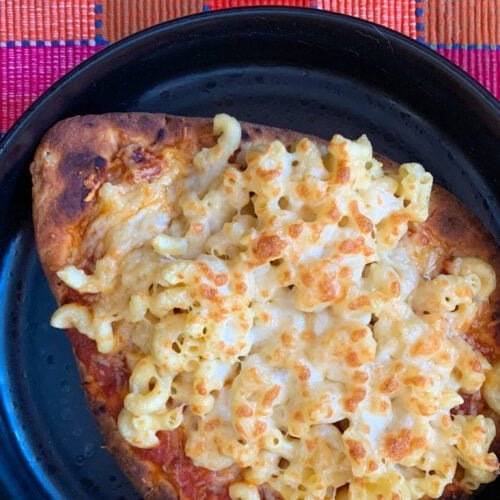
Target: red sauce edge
111	378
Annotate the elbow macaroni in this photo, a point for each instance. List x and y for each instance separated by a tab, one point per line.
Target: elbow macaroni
279	314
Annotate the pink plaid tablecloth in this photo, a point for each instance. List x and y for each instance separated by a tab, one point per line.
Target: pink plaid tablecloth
40	40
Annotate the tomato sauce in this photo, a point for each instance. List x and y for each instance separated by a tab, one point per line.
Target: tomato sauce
194	482
111	376
109	372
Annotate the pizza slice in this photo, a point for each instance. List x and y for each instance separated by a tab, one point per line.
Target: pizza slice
262	314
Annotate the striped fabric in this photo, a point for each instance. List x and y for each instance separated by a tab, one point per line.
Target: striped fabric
40	40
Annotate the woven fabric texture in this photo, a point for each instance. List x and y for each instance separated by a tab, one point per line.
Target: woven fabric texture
41	40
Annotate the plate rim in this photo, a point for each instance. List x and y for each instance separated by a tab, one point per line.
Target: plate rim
473	88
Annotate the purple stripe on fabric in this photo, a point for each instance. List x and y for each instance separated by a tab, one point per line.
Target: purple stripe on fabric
481	64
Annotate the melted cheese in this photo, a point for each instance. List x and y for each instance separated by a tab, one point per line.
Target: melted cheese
274	310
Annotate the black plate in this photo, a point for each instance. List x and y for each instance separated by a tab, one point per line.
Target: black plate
308	70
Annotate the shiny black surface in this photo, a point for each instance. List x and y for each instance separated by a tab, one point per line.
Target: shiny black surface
306	70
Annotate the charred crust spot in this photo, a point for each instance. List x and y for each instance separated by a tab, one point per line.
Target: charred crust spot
258	130
162	133
102	409
141	165
137	156
245	135
99	162
74	169
78	163
89	121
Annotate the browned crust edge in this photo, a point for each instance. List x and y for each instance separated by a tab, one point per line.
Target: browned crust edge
461	231
81	148
138	471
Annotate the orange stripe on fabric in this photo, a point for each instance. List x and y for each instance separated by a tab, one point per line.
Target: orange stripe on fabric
398	15
123	17
464	22
46	20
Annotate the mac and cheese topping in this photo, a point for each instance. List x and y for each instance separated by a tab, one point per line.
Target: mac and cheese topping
275	309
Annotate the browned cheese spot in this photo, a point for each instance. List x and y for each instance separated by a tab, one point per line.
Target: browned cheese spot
268	247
